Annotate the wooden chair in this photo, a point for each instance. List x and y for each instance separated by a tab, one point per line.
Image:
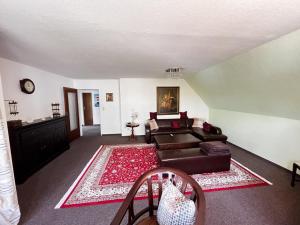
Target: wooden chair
163	173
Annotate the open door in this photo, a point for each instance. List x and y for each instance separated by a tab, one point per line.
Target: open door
87	109
72	114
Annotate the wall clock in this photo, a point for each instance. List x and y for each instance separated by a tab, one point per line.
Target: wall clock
27	86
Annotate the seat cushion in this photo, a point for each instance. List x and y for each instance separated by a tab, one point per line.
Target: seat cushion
167	122
175	124
148	221
175	208
204	136
165	130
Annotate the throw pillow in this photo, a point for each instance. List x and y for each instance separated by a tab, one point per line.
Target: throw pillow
153	115
175	208
206	127
175	124
198	122
153	124
183	115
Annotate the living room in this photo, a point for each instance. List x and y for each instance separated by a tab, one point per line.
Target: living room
231	69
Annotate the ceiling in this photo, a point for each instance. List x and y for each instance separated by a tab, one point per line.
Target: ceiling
113	39
263	81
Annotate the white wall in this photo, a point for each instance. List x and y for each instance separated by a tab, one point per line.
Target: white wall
273	138
48	89
139	95
109	111
136	95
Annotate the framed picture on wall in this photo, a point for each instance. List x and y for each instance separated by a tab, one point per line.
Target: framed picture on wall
109	97
167	100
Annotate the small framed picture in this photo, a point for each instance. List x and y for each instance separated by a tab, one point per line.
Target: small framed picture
109	97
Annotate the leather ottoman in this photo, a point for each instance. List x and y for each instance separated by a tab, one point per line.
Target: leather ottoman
194	161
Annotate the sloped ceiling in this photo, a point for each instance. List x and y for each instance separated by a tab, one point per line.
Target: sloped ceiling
134	38
265	80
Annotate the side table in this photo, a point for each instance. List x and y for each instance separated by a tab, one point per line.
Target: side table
132	126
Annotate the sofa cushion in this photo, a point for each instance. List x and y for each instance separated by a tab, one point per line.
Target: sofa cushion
213	130
175	124
189	122
165	128
168	122
153	125
181	130
153	115
169	130
207	127
205	136
183	115
162	130
198	122
164	123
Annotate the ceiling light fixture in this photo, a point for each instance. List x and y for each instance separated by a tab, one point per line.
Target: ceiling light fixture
174	72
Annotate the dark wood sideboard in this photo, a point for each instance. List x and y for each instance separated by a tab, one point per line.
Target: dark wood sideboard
34	145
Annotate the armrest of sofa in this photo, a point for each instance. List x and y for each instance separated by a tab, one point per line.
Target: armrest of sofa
218	130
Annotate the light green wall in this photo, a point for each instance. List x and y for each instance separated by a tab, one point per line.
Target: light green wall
265	80
273	138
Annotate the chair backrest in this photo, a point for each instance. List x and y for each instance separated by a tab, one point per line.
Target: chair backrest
158	176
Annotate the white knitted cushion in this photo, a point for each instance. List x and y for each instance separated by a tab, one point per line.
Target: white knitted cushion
153	124
174	208
198	122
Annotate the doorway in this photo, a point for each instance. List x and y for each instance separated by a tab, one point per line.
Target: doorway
89	110
71	111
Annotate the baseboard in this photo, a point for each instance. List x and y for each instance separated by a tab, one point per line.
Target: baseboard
259	157
142	135
118	134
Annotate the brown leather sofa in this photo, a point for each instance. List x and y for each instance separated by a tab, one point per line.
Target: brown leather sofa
185	127
166	128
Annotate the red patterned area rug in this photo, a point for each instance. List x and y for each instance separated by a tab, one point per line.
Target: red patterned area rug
113	169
